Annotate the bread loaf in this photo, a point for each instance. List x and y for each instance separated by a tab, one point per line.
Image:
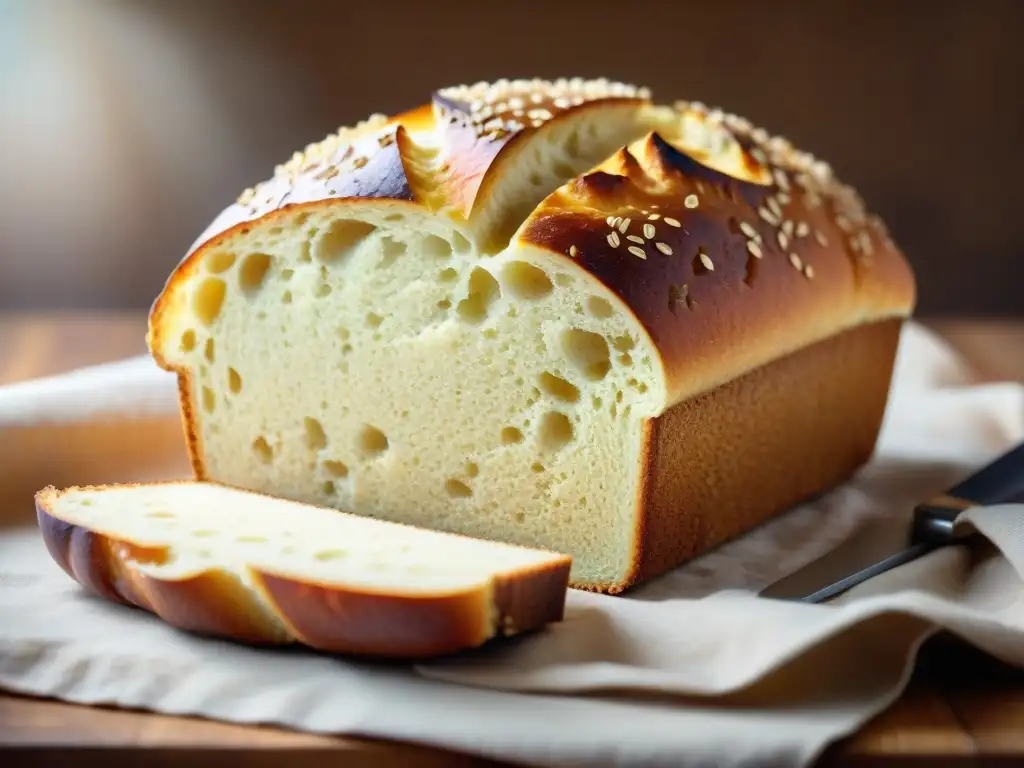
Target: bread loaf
555	314
226	562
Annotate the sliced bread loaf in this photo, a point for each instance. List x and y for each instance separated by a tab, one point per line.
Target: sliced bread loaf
556	314
226	562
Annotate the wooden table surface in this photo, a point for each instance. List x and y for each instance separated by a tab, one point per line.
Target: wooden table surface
961	709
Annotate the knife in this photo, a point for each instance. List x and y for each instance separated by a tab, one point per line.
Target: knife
883	546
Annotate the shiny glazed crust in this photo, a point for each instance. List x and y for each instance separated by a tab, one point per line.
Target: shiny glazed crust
725	274
730	246
325	617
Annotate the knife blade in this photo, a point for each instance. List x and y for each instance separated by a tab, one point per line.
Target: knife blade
886	544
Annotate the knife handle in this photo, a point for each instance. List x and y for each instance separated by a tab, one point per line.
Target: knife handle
998	482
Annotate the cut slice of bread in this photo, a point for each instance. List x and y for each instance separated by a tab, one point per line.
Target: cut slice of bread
215	560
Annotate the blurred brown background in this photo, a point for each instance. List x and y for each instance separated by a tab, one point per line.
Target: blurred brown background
126	125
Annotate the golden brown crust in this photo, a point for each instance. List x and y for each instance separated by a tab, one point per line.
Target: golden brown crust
329	618
380	158
485	127
724	462
190	425
384	625
771	252
726	274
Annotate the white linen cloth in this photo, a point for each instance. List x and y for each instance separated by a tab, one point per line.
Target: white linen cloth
691	669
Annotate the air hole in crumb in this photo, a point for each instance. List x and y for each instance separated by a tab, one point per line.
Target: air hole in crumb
372	442
444	304
209	351
597	401
490	333
301	219
316	438
472	469
287	274
275	231
253	271
559	388
343	236
234	381
323	290
304	249
250	540
555	431
336	468
373	319
623	343
598	307
535	179
208	299
457	488
587	352
329	488
448	275
436	247
460	242
343	334
526	281
390	250
219	261
286	298
519	517
511	435
537	467
394	217
625	358
209	400
159	515
331	554
483	292
204	534
263	450
188	340
563	280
